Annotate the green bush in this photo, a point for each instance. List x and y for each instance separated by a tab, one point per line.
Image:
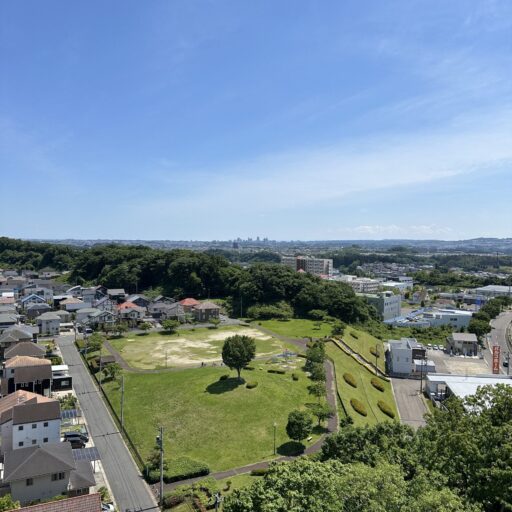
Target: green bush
182	468
251	385
377	384
250	368
350	380
259	472
354	335
302	355
386	409
153	476
295	376
224	377
358	406
280	372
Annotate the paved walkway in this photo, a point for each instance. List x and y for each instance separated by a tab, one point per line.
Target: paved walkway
128	487
359	357
410	403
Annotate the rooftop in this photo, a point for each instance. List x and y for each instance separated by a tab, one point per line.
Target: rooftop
23	361
86	503
466	385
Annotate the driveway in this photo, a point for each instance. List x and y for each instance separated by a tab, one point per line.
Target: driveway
130	490
410	403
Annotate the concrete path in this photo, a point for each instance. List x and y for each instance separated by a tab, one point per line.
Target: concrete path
129	488
410	403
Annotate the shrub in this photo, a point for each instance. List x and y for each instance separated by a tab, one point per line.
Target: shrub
249	368
350	380
280	372
374	352
182	468
354	335
377	384
251	385
295	376
386	409
259	472
153	476
302	355
224	377
358	406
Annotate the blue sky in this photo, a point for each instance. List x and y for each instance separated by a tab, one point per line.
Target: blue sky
286	119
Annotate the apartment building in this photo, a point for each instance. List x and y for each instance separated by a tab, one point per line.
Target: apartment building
317	266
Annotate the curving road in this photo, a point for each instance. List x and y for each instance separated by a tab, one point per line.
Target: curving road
498	336
131	492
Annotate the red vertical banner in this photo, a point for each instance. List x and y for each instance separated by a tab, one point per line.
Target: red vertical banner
496	359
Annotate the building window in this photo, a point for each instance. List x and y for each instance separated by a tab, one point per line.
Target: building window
20	427
20	444
34	425
54	477
61	476
34	441
29	481
45	440
45	424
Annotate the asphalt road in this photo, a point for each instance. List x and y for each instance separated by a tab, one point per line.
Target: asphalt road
131	492
498	336
411	406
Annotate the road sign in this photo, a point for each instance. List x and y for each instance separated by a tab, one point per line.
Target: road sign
496	359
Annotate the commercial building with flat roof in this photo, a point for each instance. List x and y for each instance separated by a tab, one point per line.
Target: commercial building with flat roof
442	385
493	290
387	304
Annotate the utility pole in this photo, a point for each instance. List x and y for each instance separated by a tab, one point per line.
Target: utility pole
421	374
101	369
160	443
376	357
508	363
275	426
122	403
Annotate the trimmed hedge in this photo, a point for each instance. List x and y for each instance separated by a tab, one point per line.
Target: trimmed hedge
249	368
295	376
182	468
259	472
358	406
301	355
350	380
251	385
386	409
374	352
280	372
377	384
224	377
354	335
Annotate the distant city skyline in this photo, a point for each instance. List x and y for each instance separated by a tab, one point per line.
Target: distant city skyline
194	120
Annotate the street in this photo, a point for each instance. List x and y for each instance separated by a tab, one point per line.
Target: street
498	336
410	403
131	492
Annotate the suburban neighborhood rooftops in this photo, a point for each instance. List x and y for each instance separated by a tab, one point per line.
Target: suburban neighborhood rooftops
82	477
85	503
24	361
25	348
71	300
116	291
126	305
17	398
7	318
35	461
50	315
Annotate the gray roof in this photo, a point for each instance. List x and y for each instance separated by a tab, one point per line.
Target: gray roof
464	336
50	315
34	461
25	348
29	413
207	305
116	291
82	477
5	318
35	307
16	333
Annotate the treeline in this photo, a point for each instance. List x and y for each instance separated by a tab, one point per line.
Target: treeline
459	462
181	273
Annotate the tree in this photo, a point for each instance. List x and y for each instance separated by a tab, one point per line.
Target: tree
299	426
7	503
112	371
317	314
170	325
479	327
338	328
120	328
215	322
238	351
317	389
145	327
95	342
317	372
321	411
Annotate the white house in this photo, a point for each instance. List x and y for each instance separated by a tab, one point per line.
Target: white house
49	323
402	353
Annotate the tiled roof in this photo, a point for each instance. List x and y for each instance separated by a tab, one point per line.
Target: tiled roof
207	305
23	361
19	397
189	302
86	503
126	305
25	348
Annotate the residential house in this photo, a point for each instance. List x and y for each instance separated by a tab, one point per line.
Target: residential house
49	323
83	503
61	379
35	309
73	304
139	300
33	298
92	294
84	313
131	313
100	319
105	304
7	298
13	336
116	294
65	316
41	291
465	343
402	354
166	310
188	304
28	419
25	348
42	472
27	373
8	320
205	311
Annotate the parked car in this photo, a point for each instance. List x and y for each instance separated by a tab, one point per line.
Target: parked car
505	363
429	345
76	437
435	347
107	507
88	330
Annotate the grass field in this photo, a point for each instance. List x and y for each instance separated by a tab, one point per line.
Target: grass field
221	423
364	392
188	347
296	328
363	343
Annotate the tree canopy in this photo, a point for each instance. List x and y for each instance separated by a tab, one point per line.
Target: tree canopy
238	351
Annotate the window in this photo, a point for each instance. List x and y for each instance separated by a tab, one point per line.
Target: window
20	444
34	441
61	476
45	440
29	481
57	476
34	425
45	424
20	427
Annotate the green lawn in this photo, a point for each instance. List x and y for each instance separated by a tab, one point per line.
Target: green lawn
237	482
364	392
363	343
296	328
188	347
221	423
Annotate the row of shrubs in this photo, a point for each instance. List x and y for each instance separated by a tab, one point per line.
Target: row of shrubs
200	493
386	409
180	468
354	335
358	406
377	384
350	379
251	385
273	370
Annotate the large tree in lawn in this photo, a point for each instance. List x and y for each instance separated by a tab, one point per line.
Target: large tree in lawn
238	351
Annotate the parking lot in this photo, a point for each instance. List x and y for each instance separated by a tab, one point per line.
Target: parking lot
457	364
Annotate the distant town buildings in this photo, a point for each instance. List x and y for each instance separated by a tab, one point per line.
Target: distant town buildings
387	304
317	266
